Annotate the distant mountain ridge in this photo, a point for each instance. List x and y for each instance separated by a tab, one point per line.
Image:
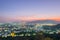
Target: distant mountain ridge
35	21
45	21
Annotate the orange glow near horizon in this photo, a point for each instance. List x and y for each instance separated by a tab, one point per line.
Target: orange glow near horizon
36	18
56	19
29	19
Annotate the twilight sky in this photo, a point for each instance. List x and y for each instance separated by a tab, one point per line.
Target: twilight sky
15	10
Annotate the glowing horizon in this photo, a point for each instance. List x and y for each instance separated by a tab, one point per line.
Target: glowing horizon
27	19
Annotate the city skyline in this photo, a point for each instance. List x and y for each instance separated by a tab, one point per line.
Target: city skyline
28	10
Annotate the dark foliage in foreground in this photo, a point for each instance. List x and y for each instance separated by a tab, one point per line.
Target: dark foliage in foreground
37	37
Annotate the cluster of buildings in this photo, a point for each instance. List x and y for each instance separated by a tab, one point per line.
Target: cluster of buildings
22	29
